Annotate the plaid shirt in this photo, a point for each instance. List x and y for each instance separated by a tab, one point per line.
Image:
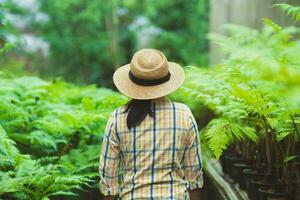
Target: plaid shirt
160	158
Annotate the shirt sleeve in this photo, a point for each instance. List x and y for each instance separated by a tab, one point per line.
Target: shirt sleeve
109	160
192	161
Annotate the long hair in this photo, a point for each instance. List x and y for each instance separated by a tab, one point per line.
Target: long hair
137	111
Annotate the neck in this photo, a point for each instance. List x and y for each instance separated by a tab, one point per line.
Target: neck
164	98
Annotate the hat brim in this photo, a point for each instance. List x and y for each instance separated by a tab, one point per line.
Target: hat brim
127	87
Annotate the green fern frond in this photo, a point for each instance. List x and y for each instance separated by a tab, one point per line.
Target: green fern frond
7	146
291	10
52	126
47	160
272	24
72	180
220	133
64	193
10	112
46	122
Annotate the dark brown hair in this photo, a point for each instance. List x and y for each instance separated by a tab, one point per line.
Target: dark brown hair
137	111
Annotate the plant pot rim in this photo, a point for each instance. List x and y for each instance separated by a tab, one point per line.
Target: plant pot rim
262	182
251	171
242	164
234	158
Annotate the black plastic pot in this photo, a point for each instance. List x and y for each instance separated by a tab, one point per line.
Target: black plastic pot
228	161
223	163
271	193
238	174
259	184
251	174
277	198
235	172
265	193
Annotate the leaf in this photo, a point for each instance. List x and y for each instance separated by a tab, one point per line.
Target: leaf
221	133
64	193
290	10
272	24
88	104
289	158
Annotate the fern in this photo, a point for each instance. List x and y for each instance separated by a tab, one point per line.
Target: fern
50	136
221	133
291	10
7	146
255	91
268	22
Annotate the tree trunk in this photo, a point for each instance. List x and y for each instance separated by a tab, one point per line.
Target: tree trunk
112	26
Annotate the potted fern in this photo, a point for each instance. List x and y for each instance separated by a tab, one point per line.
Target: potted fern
256	111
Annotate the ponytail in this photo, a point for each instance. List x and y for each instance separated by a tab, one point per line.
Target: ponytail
137	111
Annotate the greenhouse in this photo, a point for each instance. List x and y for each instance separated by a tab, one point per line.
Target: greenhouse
210	92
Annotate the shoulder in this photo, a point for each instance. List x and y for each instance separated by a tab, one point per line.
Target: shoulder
187	113
182	107
118	111
115	117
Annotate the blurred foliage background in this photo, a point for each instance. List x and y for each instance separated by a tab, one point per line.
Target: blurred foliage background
85	41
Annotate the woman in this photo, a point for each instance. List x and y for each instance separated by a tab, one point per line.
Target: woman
154	139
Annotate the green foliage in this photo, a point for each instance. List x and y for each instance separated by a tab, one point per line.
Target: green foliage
5	30
220	133
6	47
50	136
183	27
252	93
84	39
290	10
88	40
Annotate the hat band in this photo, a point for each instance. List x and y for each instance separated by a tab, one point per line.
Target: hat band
144	82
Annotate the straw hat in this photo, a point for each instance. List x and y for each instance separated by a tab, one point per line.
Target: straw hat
148	76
